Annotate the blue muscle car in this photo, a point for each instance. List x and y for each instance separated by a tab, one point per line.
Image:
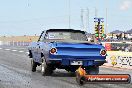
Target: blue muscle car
66	49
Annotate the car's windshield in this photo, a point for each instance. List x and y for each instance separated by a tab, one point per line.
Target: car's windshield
66	35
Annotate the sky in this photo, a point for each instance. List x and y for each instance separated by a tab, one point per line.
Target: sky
30	17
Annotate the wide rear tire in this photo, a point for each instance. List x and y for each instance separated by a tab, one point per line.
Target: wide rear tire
46	70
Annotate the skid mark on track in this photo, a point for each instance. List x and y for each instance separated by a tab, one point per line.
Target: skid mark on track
12	79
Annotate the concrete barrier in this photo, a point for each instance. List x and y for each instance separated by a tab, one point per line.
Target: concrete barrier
14	43
119	59
18	40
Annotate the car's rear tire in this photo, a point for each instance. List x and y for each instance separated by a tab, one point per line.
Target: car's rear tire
46	70
92	70
30	54
71	68
33	65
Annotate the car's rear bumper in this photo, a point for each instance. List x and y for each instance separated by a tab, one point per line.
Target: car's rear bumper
67	62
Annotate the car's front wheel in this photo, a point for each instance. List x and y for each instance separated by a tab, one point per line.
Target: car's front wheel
33	65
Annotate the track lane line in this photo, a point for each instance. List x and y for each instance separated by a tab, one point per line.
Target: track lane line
21	51
14	50
7	49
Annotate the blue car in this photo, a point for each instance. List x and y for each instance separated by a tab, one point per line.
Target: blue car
66	49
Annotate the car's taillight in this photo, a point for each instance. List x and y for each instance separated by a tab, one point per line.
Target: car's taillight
53	50
103	52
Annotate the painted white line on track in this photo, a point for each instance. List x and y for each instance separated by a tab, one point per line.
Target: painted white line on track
7	49
14	50
22	48
21	51
27	52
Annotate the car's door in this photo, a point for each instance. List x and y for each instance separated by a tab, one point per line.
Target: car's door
40	42
37	49
44	45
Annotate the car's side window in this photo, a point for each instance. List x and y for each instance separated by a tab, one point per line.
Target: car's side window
45	36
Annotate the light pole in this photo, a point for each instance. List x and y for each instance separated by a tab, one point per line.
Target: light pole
96	12
82	24
69	14
106	23
28	3
87	20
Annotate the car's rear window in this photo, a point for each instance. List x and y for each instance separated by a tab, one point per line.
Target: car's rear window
66	35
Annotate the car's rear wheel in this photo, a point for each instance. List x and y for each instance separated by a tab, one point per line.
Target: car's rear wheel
33	65
92	70
72	68
30	54
46	70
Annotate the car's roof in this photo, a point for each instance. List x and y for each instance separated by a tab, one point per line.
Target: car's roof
66	30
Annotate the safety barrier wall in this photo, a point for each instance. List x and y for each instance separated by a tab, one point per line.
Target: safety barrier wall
119	59
15	43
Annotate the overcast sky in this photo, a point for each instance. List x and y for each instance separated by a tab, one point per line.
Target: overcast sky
29	17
